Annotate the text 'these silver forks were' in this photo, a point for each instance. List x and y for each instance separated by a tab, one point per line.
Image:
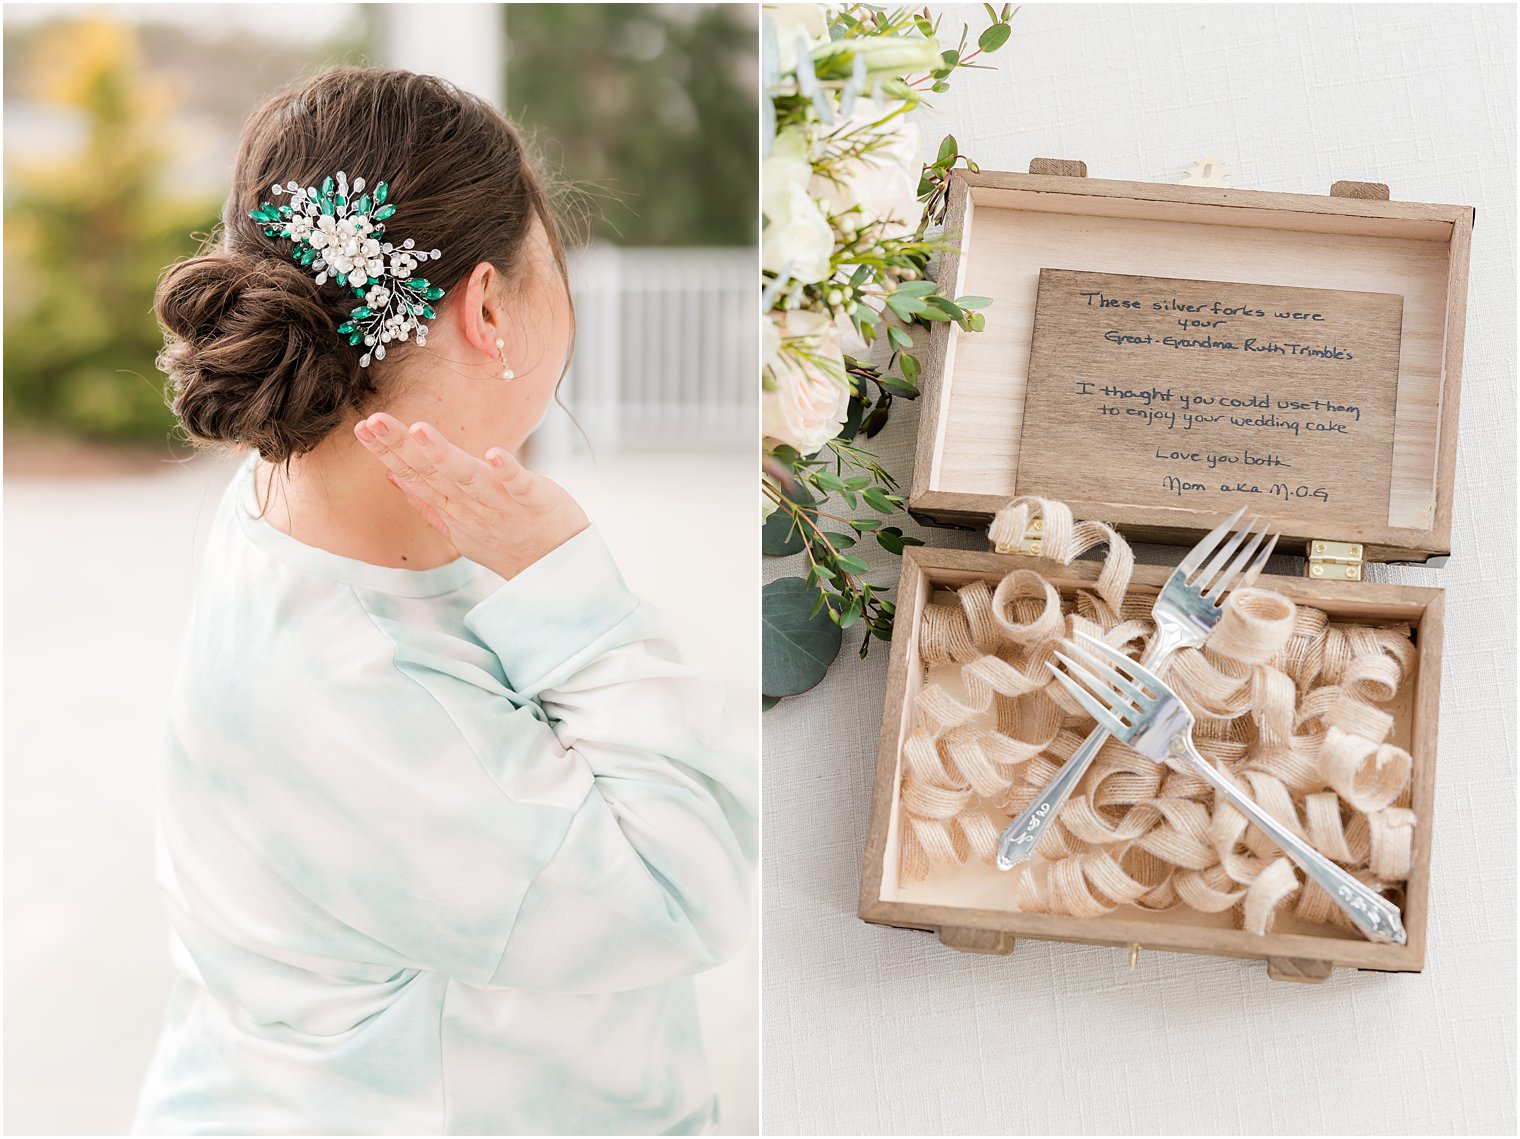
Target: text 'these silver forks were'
1185	613
1133	704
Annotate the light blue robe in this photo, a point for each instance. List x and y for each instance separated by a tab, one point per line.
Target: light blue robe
440	851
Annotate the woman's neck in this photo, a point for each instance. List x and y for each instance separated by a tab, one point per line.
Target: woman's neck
336	497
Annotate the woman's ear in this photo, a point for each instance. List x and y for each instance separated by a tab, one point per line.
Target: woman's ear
481	317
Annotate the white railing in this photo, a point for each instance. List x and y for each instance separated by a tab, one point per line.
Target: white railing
666	349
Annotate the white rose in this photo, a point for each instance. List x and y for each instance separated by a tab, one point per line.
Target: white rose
808	396
786	165
884	182
797	237
811	20
770	341
798	240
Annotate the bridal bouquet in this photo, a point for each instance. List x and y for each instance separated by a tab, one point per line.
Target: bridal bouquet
844	255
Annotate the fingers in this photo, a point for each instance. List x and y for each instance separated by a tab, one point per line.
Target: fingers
425	462
435	472
385	438
429	514
514	478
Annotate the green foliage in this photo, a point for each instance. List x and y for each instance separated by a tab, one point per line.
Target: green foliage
782	533
648	107
837	580
879	279
85	240
797	642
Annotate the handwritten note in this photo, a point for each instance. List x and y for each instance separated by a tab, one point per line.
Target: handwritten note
1208	395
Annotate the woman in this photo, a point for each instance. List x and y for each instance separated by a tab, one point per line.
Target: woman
445	826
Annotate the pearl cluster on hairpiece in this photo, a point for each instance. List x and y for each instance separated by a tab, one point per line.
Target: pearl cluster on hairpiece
339	236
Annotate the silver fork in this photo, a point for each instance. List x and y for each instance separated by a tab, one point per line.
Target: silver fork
1134	705
1185	613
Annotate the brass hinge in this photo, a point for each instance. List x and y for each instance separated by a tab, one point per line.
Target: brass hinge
1334	561
1030	546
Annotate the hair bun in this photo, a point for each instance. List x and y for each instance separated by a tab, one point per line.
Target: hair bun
253	354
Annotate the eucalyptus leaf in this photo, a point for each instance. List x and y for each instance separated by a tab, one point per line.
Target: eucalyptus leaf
796	648
848	96
781	535
770	53
892	539
906	307
994	37
915	289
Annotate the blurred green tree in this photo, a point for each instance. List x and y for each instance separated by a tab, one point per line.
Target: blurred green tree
86	238
650	108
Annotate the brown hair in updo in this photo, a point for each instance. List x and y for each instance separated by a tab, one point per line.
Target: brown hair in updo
251	342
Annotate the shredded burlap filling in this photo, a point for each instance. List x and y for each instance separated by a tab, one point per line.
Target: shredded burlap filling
1289	706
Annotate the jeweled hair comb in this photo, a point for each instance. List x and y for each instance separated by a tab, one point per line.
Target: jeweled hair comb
340	236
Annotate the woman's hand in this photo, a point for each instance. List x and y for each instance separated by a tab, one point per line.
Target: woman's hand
494	511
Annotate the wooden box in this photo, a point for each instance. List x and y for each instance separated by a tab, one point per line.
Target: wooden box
1006	228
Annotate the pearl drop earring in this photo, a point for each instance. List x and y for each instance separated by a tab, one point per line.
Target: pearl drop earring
506	370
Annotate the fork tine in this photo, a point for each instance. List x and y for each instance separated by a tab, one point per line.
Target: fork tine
1260	562
1141	674
1223	555
1117	703
1090	704
1239	563
1207	544
1094	671
1133	671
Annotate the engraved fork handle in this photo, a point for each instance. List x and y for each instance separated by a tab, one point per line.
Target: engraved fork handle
1377	918
1019	839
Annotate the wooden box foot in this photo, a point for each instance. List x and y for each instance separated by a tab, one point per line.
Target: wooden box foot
1299	969
977	940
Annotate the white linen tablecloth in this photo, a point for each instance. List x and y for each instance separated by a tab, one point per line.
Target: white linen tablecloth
874	1030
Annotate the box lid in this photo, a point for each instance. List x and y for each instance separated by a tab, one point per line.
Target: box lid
1386	280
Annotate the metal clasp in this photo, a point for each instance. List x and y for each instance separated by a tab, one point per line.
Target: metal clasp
1030	545
1334	561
